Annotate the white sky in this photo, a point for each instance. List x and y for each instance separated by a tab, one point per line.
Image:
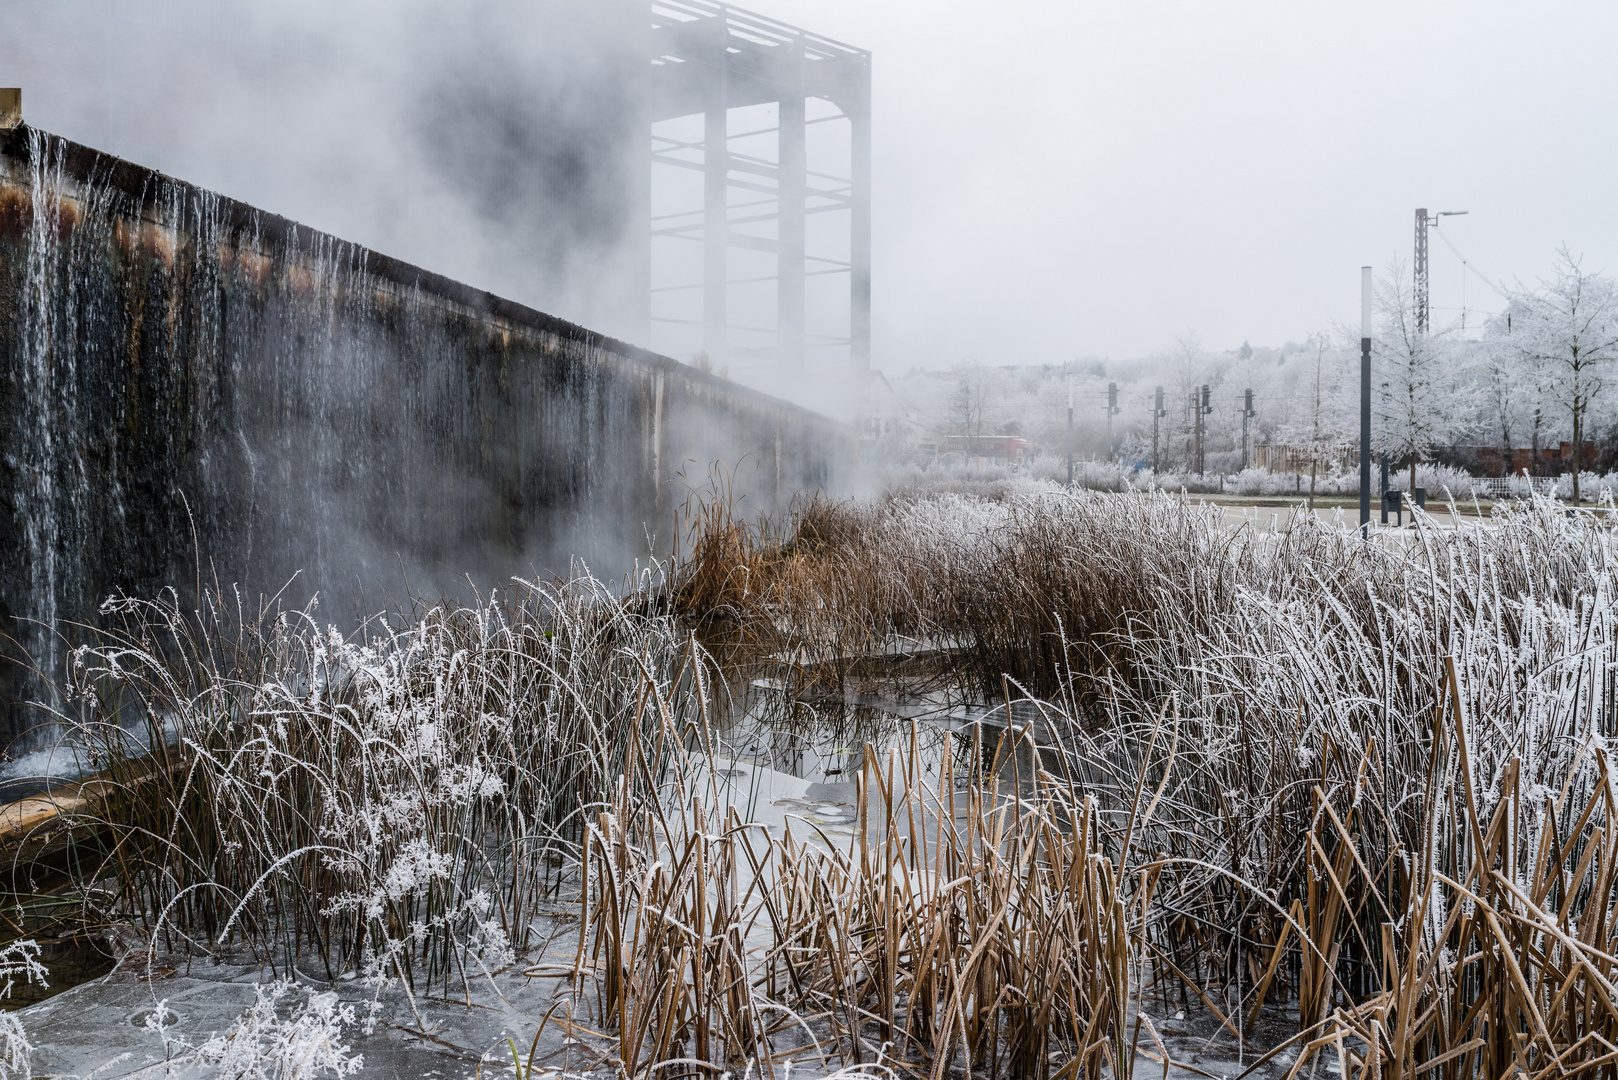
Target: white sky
1058	179
1053	179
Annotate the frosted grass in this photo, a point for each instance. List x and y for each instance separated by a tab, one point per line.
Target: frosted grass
1251	773
1386	754
394	804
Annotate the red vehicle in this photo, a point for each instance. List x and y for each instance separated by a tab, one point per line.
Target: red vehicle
1006	448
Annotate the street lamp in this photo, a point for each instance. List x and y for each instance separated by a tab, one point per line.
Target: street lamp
1365	402
1069	375
1157	411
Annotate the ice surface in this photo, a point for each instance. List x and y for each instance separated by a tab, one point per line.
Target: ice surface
96	1023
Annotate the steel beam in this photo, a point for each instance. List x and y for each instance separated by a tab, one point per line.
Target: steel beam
793	178
859	229
679	88
716	197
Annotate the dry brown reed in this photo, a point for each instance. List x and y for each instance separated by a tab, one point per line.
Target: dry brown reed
1267	771
1314	768
965	924
1496	940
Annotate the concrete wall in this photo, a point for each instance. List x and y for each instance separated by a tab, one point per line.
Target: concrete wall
180	369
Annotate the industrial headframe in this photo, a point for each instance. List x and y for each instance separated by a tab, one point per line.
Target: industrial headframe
709	58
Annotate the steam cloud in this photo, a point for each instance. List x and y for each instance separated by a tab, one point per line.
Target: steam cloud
497	143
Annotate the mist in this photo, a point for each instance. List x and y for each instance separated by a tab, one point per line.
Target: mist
1050	183
493	143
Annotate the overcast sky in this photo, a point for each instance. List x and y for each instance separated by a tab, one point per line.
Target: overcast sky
1059	179
1052	179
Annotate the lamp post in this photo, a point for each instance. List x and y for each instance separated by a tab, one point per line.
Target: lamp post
1365	402
1247	414
1201	402
1157	411
1070	431
1112	411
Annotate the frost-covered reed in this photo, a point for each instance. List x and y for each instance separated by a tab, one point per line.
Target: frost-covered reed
1387	805
950	926
1249	771
397	803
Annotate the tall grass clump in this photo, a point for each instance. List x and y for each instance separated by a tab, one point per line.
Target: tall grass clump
1388	812
1281	777
395	803
952	929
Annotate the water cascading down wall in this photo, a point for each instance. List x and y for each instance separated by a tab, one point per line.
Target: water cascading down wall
197	390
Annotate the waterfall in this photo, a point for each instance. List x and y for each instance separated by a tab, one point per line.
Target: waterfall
206	393
35	494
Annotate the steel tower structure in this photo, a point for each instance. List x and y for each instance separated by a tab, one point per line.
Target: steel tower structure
709	58
1418	271
1421	295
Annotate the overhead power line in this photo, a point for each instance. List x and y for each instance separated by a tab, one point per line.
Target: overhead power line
1467	263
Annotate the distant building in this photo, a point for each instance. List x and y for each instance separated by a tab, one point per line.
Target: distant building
890	430
1553	460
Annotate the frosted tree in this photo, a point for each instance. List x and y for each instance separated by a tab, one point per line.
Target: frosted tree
1279	388
1510	403
1421	397
975	385
1186	369
1567	332
1320	422
1246	372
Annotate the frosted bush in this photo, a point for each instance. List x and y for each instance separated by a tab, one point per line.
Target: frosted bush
396	801
263	1045
18	958
1047	472
1593	486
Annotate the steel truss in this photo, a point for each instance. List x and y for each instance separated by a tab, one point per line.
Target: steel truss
709	58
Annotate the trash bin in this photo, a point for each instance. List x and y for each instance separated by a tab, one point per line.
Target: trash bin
1393	502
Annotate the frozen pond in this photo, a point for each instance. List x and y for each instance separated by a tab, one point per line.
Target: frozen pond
783	762
102	1028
